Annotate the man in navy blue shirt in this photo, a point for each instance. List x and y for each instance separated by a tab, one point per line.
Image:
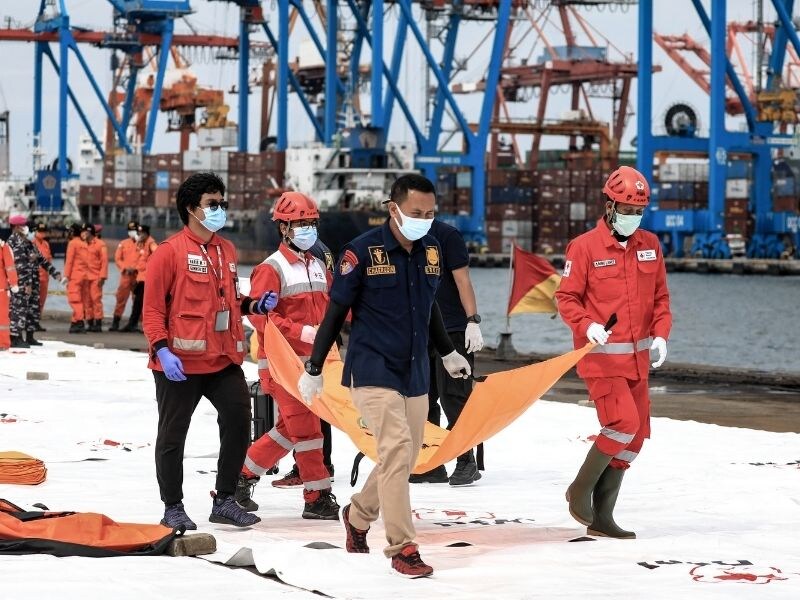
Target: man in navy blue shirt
388	278
456	299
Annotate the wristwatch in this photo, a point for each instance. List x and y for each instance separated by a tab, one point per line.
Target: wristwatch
313	369
476	318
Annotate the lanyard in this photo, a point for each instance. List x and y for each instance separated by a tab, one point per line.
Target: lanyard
217	276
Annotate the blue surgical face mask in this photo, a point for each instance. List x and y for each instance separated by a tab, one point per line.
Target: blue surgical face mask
413	228
626	224
31	235
304	237
215	219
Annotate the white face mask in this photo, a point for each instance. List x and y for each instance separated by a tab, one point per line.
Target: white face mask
413	228
24	230
626	224
132	235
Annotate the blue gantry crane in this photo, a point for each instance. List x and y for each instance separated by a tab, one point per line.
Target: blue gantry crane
760	140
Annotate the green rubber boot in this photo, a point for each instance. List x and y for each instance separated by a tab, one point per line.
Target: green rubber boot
579	493
604	499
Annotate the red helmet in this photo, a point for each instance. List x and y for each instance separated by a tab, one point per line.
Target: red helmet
628	186
294	206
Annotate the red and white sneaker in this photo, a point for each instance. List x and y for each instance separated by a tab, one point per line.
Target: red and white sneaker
408	563
291	479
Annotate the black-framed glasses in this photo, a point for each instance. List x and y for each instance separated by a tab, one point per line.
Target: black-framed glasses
214	205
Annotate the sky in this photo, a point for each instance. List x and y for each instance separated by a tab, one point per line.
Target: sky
16	76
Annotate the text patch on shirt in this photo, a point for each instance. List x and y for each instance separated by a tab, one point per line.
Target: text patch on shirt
197	264
380	262
432	258
567	268
609	262
645	255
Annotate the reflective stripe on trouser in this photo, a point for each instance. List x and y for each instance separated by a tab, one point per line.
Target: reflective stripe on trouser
75	299
623	409
397	422
623	347
299	429
124	291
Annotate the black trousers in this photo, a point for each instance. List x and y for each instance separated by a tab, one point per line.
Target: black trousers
451	393
227	391
138	301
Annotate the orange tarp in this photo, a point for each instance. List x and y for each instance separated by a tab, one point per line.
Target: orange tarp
493	405
21	469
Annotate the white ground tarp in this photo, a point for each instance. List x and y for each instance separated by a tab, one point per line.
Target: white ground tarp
717	509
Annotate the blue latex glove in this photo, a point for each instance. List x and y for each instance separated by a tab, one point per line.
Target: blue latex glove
173	368
266	303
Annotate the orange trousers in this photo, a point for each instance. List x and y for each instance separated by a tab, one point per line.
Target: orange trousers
44	282
5	321
75	297
92	295
125	289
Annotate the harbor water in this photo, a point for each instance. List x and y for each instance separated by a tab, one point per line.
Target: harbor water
740	321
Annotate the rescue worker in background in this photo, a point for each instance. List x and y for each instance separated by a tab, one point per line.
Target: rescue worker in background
302	281
145	246
616	268
126	257
76	267
25	303
292	477
96	275
388	278
193	323
8	286
456	300
43	246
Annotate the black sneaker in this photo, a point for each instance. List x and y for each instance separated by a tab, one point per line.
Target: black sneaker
226	510
465	473
175	516
437	475
244	492
76	327
18	342
324	508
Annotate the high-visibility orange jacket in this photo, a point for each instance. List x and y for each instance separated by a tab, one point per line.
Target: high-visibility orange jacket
144	251
97	260
183	294
43	246
601	277
302	284
8	270
76	265
127	255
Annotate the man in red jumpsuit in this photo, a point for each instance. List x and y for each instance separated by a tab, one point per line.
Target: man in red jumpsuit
193	323
303	282
76	266
616	268
96	275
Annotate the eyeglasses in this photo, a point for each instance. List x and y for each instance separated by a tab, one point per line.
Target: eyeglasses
214	205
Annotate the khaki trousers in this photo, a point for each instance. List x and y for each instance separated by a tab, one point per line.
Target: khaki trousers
398	424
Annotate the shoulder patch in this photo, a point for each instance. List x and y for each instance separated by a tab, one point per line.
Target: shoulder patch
348	263
567	268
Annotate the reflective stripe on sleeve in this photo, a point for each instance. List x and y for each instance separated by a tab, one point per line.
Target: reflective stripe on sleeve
626	455
191	345
278	437
617	436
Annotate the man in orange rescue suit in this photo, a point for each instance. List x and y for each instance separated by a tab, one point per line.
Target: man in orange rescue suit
193	323
76	267
8	285
145	246
616	268
96	275
43	246
125	258
303	281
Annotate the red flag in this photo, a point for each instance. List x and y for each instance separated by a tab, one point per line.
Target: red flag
535	284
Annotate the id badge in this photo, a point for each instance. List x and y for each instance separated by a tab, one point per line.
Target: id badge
222	321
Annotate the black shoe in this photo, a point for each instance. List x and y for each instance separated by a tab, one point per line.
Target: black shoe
226	510
76	327
39	328
114	324
244	492
32	342
437	475
128	328
18	342
96	326
465	473
325	507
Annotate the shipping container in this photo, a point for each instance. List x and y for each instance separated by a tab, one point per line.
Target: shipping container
128	162
90	195
90	176
127	180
